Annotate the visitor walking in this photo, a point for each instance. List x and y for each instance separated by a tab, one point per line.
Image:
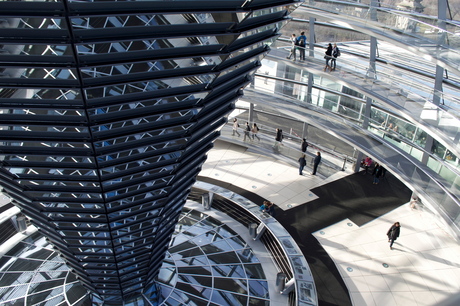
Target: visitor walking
247	129
293	40
335	55
393	233
255	130
235	127
302	162
316	162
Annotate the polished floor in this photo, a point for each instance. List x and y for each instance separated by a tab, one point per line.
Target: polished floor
340	223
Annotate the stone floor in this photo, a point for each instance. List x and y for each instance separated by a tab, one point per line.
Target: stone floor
422	269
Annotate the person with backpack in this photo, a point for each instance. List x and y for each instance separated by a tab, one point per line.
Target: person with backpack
293	40
301	42
335	55
247	129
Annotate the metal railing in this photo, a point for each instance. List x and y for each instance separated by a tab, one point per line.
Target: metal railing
286	254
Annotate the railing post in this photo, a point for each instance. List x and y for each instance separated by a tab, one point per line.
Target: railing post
206	200
280	282
253	230
289	286
21	223
260	231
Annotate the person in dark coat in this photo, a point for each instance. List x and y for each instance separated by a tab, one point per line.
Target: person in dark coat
316	162
247	129
377	172
271	209
302	163
393	233
278	139
279	135
383	171
304	145
328	57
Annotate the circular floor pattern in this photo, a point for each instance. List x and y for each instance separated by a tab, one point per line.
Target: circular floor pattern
207	264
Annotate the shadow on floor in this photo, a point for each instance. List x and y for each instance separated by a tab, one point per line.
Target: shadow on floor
353	197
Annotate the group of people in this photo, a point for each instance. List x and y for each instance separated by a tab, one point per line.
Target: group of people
298	43
377	172
249	131
268	207
303	162
331	55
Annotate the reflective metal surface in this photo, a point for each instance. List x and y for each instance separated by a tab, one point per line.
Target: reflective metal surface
206	263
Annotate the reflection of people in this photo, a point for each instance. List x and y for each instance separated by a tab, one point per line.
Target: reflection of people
410	134
393	233
316	162
302	163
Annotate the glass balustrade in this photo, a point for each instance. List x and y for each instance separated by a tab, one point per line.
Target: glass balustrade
440	186
335	158
398	132
417	30
387	87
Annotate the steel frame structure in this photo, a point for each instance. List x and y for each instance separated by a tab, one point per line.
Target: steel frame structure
108	109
